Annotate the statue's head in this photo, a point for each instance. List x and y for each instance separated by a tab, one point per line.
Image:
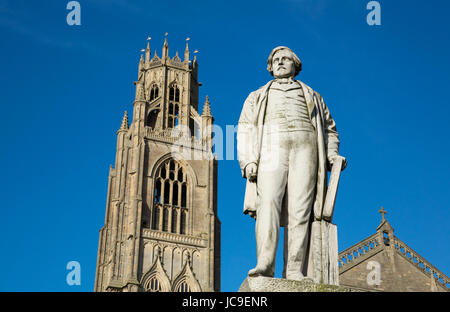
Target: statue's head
283	63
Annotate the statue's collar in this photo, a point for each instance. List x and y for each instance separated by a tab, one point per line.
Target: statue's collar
288	80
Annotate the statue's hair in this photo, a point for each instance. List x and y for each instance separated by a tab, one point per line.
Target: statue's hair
297	62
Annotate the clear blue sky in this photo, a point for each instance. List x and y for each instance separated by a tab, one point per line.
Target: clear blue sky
64	89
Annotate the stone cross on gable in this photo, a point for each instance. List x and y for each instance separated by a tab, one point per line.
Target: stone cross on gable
383	212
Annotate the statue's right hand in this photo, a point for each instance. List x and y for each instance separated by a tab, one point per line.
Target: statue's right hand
251	172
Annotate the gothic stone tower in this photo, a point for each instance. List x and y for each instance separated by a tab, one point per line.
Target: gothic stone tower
161	231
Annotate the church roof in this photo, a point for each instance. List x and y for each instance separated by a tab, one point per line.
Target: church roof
383	240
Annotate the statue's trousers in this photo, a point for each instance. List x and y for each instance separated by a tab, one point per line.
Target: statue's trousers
287	171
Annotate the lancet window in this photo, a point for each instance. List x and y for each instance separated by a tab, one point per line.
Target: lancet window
154	92
174	106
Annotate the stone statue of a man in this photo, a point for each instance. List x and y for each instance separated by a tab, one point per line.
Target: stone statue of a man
287	141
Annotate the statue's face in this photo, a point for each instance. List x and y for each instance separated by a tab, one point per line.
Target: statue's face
283	64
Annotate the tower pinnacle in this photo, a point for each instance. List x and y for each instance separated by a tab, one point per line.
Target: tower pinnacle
141	63
124	125
206	108
147	51
165	51
186	51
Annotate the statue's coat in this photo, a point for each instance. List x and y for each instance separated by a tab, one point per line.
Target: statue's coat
249	141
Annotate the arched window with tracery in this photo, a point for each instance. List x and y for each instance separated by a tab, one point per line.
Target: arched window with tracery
153	285
170	210
183	287
156	280
173	114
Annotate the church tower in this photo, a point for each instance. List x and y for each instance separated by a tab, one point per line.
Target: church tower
161	230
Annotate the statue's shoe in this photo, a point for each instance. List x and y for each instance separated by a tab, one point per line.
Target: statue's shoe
259	272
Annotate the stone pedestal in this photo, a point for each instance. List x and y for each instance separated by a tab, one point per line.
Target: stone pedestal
267	284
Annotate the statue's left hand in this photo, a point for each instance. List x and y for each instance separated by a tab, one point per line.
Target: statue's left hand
333	158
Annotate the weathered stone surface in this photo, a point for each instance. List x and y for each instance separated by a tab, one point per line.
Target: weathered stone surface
268	284
323	262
